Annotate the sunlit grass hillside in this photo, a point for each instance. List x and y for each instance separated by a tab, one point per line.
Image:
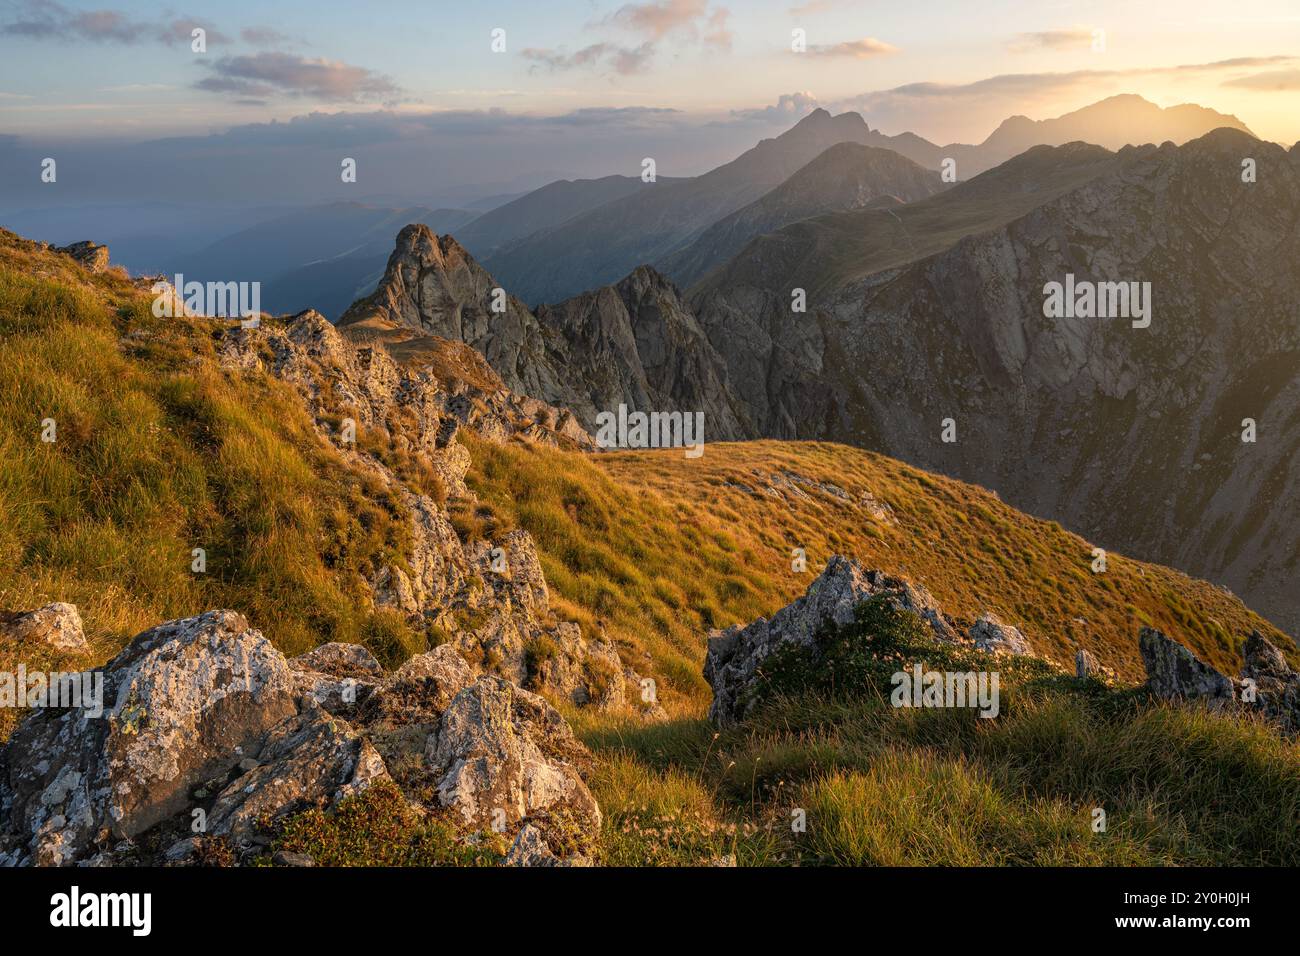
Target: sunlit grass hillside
656	549
159	452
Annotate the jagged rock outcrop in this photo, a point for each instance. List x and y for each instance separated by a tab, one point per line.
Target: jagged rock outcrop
1277	685
489	596
184	703
433	287
419	690
635	343
1175	673
1084	664
500	748
204	719
734	655
339	677
1267	683
90	254
56	625
632	343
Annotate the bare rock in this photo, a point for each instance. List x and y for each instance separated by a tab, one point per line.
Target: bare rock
1276	684
290	858
57	625
990	634
734	655
91	255
339	660
310	759
420	690
520	640
1175	673
184	702
500	750
531	849
339	677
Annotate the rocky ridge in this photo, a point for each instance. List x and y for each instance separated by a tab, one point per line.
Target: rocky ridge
490	598
631	343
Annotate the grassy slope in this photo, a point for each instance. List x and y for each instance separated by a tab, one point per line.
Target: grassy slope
657	549
159	452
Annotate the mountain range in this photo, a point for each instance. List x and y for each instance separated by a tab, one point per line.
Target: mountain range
928	306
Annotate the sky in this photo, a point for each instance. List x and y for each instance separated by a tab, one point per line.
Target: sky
585	88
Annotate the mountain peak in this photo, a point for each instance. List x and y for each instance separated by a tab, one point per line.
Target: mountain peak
821	119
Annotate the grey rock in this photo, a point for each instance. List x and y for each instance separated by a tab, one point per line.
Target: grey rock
735	655
57	625
530	849
1277	685
990	634
500	748
310	759
339	677
290	858
1175	673
185	702
91	255
632	343
420	690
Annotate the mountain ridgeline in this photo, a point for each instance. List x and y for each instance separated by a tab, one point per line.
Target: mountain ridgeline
925	302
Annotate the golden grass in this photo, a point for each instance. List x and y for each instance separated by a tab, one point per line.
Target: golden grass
654	549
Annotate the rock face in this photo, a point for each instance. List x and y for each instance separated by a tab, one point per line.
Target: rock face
632	343
1277	686
203	714
500	749
56	625
1085	420
489	596
1174	673
734	655
1085	665
635	343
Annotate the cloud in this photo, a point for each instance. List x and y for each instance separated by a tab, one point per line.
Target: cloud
597	56
264	36
1073	38
49	20
718	35
658	19
1272	81
267	74
1031	84
788	106
857	49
